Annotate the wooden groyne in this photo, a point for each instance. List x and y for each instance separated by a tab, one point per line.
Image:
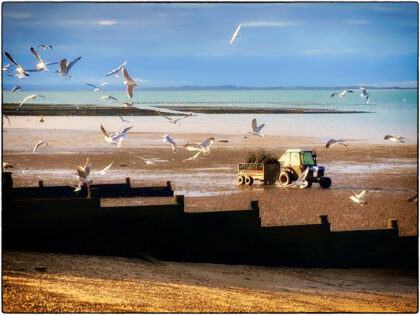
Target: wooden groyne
95	110
81	225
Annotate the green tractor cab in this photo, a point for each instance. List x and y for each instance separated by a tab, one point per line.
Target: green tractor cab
295	161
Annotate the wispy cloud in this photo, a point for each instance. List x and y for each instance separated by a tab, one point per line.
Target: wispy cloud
327	51
16	15
356	22
270	24
105	22
403	84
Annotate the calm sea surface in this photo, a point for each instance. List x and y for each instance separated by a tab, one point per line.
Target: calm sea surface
389	114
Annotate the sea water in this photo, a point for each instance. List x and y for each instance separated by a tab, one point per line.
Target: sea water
387	111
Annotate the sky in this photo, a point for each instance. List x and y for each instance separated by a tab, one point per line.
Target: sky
177	44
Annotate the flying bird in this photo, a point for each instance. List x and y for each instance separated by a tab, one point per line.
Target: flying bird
5	116
364	94
413	198
167	139
65	67
7	165
45	47
151	161
256	130
129	82
333	142
128	104
203	147
122	119
33	96
102	172
41	65
6	67
96	88
116	136
359	198
301	181
404	99
39	144
16	88
342	93
395	139
19	69
83	173
116	70
109	97
77	188
174	121
235	34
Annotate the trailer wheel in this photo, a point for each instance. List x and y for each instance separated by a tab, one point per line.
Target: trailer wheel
325	182
249	180
241	180
284	178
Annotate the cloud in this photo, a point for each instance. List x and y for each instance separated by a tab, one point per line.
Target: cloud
16	15
402	84
327	51
356	22
105	22
270	24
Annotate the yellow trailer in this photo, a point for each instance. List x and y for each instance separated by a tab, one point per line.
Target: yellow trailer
268	173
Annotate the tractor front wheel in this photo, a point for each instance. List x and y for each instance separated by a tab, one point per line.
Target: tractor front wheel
249	181
284	178
241	180
325	182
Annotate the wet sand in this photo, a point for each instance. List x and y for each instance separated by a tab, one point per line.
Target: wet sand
387	171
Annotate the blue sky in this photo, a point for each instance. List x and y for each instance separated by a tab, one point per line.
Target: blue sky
175	44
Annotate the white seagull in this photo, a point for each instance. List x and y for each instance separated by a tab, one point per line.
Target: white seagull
77	188
364	94
395	139
96	87
39	144
151	161
102	172
333	142
16	88
109	97
128	104
404	100
301	181
174	121
167	139
200	147
33	96
116	136
359	198
116	70
342	93
6	67
65	67
19	69
256	130
83	173
41	65
45	47
129	82
235	34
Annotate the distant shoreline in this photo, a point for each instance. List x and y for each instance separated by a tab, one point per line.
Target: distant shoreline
90	110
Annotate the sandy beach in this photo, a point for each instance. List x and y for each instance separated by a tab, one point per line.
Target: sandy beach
388	171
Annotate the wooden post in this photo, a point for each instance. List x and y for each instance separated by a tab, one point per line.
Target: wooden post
7	180
127	181
168	184
393	224
40	184
179	199
254	205
323	219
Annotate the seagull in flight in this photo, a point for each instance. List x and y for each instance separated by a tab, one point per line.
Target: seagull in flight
404	100
65	67
151	161
96	88
167	139
235	34
342	93
33	96
203	147
16	88
45	47
129	82
359	198
364	94
174	121
83	173
6	67
128	104
122	119
39	144
395	139
7	117
333	142
19	69
301	181
102	172
109	97
256	130
116	136
116	70
41	65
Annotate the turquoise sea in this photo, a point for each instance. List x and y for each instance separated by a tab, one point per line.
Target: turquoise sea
388	113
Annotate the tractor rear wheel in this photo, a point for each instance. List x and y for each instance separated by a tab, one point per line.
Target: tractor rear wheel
249	181
284	178
241	180
325	182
